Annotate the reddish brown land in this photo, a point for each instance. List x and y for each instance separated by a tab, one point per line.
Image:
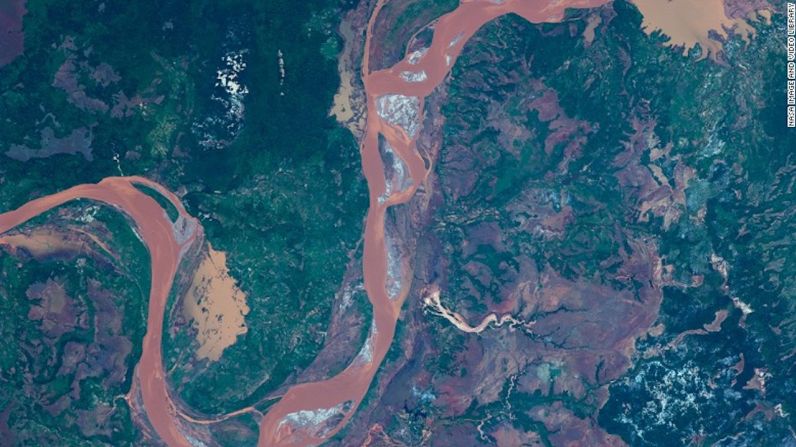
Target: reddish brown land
11	36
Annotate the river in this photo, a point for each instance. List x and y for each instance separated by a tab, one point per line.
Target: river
158	234
310	413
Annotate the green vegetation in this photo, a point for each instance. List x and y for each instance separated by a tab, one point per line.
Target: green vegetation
748	216
168	207
286	202
515	191
76	322
526	179
398	21
275	181
545	176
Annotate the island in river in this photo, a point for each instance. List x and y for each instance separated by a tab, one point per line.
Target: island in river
531	225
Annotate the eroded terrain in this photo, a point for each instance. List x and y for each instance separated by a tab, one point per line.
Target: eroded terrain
75	312
578	231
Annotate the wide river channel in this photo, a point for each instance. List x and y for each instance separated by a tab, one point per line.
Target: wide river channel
308	413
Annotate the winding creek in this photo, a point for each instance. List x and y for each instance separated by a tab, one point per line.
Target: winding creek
309	413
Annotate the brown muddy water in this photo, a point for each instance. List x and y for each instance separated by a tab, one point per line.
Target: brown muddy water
689	22
311	413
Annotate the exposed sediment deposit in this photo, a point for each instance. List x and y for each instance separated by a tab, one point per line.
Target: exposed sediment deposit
216	306
395	110
310	413
43	242
435	306
158	235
